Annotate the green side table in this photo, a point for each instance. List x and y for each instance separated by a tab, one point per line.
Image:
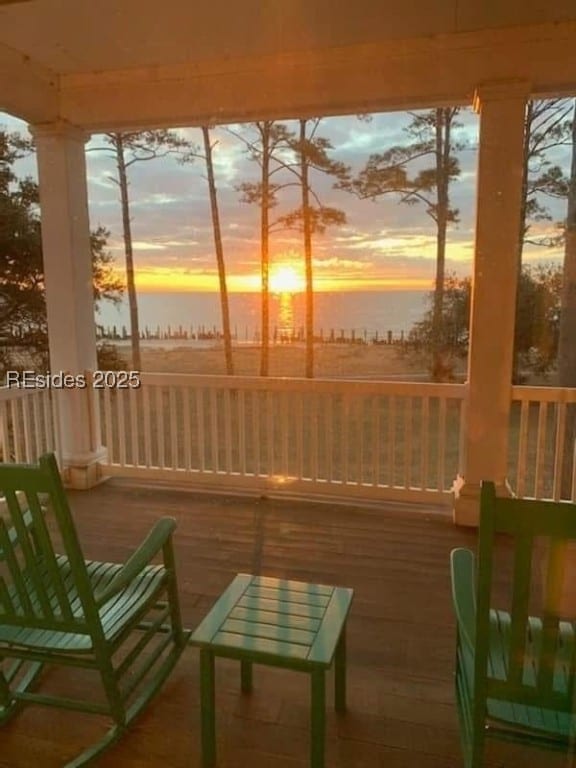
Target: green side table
281	623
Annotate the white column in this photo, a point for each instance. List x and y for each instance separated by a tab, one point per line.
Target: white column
484	444
69	293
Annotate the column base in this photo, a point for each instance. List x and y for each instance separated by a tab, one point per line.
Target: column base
466	507
84	472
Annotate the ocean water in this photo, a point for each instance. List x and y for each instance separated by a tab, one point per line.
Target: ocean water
364	313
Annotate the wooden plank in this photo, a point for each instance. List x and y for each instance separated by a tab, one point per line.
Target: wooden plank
207	628
187	429
120	395
134	398
391	441
269	440
345	438
278	619
288	596
292	585
16	431
521	467
109	441
299	435
441	465
329	437
227	432
147	426
281	606
254	629
160	433
37	401
314	400
376	447
520	601
173	427
4	431
540	450
559	450
242	445
285	414
256	441
260	645
213	422
324	647
407	441
201	433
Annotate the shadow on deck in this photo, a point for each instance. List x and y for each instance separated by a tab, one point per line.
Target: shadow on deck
400	637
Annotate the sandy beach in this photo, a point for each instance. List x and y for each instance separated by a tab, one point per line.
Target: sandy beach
364	361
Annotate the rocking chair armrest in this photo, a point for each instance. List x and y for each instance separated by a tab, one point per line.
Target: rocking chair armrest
158	537
463	574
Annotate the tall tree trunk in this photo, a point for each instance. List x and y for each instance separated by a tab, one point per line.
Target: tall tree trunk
307	228
225	308
127	230
443	120
265	257
567	333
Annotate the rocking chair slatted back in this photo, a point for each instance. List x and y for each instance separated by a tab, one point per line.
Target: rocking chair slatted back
33	591
535	661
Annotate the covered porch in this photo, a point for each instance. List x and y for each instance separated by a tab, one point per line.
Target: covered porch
312	59
70	70
401	709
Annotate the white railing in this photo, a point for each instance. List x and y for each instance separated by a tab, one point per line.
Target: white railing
348	438
541	447
359	439
29	424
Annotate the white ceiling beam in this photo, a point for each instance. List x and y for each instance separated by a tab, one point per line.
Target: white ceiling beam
395	75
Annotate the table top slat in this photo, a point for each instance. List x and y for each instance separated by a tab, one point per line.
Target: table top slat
259	645
294	586
269	631
275	619
289	595
280	606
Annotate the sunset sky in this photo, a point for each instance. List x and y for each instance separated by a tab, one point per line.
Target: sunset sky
384	244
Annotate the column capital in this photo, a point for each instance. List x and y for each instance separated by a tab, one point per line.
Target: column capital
59	129
501	90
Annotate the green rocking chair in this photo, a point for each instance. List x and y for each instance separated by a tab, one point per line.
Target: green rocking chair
516	649
122	621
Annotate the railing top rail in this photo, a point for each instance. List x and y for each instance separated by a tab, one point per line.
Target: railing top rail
544	394
285	384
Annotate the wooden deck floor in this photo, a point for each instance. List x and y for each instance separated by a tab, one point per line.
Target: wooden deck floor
401	637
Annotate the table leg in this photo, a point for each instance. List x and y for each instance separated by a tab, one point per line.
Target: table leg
246	675
207	708
318	718
340	673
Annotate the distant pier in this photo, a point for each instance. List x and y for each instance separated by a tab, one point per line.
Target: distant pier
246	336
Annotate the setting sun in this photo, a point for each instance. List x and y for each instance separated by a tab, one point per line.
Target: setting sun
286	279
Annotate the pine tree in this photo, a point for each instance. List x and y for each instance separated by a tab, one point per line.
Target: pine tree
312	153
126	149
431	137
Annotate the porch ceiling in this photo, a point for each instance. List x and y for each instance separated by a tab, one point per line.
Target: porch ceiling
110	64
